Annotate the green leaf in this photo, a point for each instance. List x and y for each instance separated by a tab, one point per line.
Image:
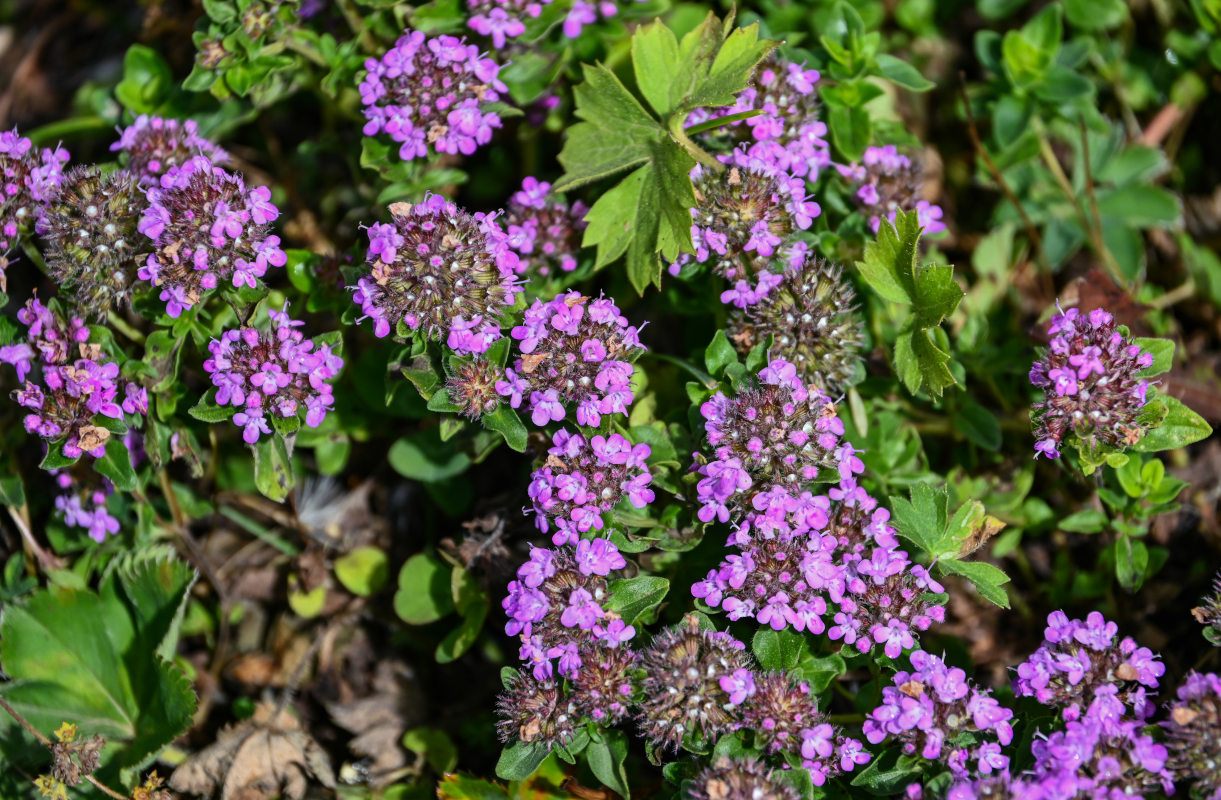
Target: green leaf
1179	428
12	491
889	263
273	468
1131	562
778	650
606	758
1141	206
472	604
424	594
719	354
923	519
1163	355
888	772
988	578
851	130
422	456
460	786
435	745
505	421
902	73
93	658
979	425
206	410
655	60
147	80
1095	15
115	464
1089	520
633	598
920	362
518	761
363	571
820	671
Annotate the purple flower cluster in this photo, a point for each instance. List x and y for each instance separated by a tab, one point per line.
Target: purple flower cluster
888	183
1078	659
1089	375
544	229
825	563
787	134
555	606
275	372
439	269
744	215
471	386
1191	734
156	146
740	779
574	351
207	228
84	506
582	478
31	176
74	390
585	13
808	311
432	92
501	20
784	717
773	435
936	711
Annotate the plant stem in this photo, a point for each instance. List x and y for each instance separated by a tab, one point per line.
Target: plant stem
121	325
167	489
694	150
703	377
47	560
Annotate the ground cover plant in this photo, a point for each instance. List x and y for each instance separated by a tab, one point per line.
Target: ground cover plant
506	400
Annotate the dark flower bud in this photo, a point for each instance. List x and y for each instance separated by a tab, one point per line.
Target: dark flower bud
533	710
739	779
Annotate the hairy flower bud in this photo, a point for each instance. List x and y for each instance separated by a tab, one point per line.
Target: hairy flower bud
155	146
603	688
682	692
1089	375
432	93
810	316
438	269
1209	614
739	779
207	228
533	710
92	242
472	386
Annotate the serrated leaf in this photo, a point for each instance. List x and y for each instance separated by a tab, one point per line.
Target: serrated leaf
922	519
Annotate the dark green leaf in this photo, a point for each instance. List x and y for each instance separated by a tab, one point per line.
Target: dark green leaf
424	594
778	650
633	598
606	759
115	464
505	421
719	354
519	761
1131	562
273	468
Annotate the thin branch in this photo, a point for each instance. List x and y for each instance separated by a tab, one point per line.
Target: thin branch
47	743
1089	175
47	560
1006	189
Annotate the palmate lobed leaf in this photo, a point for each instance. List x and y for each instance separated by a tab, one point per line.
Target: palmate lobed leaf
647	215
101	659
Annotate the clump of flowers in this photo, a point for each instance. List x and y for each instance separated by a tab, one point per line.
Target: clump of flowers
603	689
1093	394
787	133
574	351
93	245
810	316
31	175
272	373
501	20
555	606
694	682
890	183
84	506
77	386
544	229
739	779
207	229
743	215
472	386
432	93
1191	734
775	434
1078	659
582	478
439	269
535	709
156	146
825	563
1209	614
936	711
784	717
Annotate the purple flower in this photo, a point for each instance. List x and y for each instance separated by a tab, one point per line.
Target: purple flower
544	229
598	557
30	177
739	685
